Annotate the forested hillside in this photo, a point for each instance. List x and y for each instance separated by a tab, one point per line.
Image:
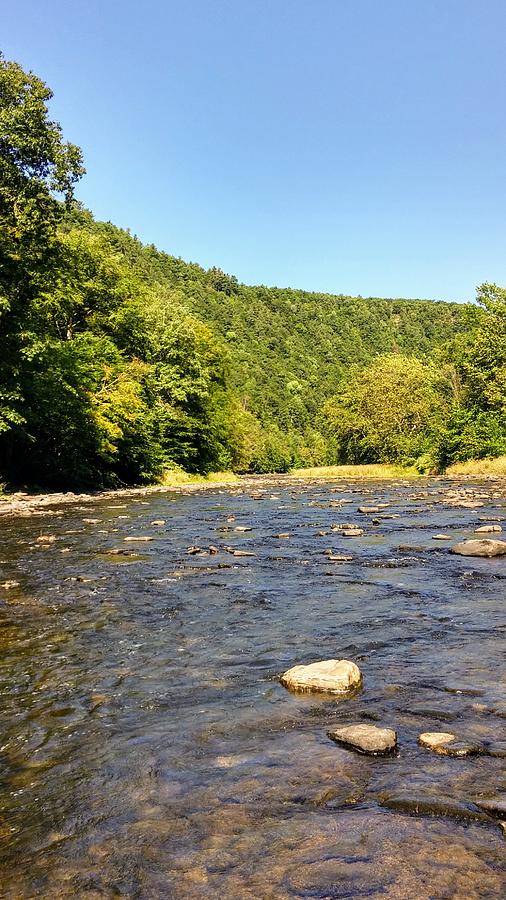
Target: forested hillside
119	361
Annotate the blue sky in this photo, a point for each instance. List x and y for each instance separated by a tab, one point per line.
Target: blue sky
348	146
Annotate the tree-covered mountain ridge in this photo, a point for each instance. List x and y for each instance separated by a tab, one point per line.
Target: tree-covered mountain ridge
288	350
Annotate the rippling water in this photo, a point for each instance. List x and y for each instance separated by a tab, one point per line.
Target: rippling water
147	747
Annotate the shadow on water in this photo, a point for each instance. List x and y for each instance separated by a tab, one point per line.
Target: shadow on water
147	746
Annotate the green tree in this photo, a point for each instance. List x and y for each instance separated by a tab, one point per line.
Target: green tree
36	168
389	411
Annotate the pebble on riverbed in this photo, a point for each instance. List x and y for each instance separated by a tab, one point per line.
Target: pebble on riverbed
485	547
369	739
330	676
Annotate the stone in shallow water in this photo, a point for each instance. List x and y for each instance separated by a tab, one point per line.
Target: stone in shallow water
434	740
494	806
365	739
488	529
420	804
483	547
332	676
447	744
496	748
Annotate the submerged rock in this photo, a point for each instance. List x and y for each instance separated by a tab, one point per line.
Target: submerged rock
447	744
367	739
485	547
417	804
331	676
496	748
494	806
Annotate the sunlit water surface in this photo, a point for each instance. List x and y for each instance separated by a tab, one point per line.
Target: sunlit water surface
148	748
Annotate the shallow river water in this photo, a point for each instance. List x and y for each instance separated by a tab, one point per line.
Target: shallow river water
147	748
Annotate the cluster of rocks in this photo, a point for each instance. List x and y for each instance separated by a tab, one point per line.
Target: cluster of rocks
343	677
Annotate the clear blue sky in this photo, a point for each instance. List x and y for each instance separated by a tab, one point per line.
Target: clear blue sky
350	146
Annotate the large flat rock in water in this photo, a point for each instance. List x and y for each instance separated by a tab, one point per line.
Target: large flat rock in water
485	547
365	739
331	676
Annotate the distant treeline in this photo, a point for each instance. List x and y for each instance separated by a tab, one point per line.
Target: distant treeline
118	361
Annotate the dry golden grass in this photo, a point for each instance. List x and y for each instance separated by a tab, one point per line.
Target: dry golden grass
374	470
177	477
495	466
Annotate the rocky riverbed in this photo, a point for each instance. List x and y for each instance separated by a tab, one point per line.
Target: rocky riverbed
148	746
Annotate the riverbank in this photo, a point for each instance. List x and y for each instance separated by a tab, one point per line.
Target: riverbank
479	467
378	471
24	503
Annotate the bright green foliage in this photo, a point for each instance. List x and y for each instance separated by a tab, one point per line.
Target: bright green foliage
390	411
476	427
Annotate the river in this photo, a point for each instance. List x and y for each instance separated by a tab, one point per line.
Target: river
148	749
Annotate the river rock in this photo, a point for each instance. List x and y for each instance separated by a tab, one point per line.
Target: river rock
434	740
496	748
331	676
485	547
421	804
494	806
369	509
367	739
353	532
441	537
447	744
488	529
